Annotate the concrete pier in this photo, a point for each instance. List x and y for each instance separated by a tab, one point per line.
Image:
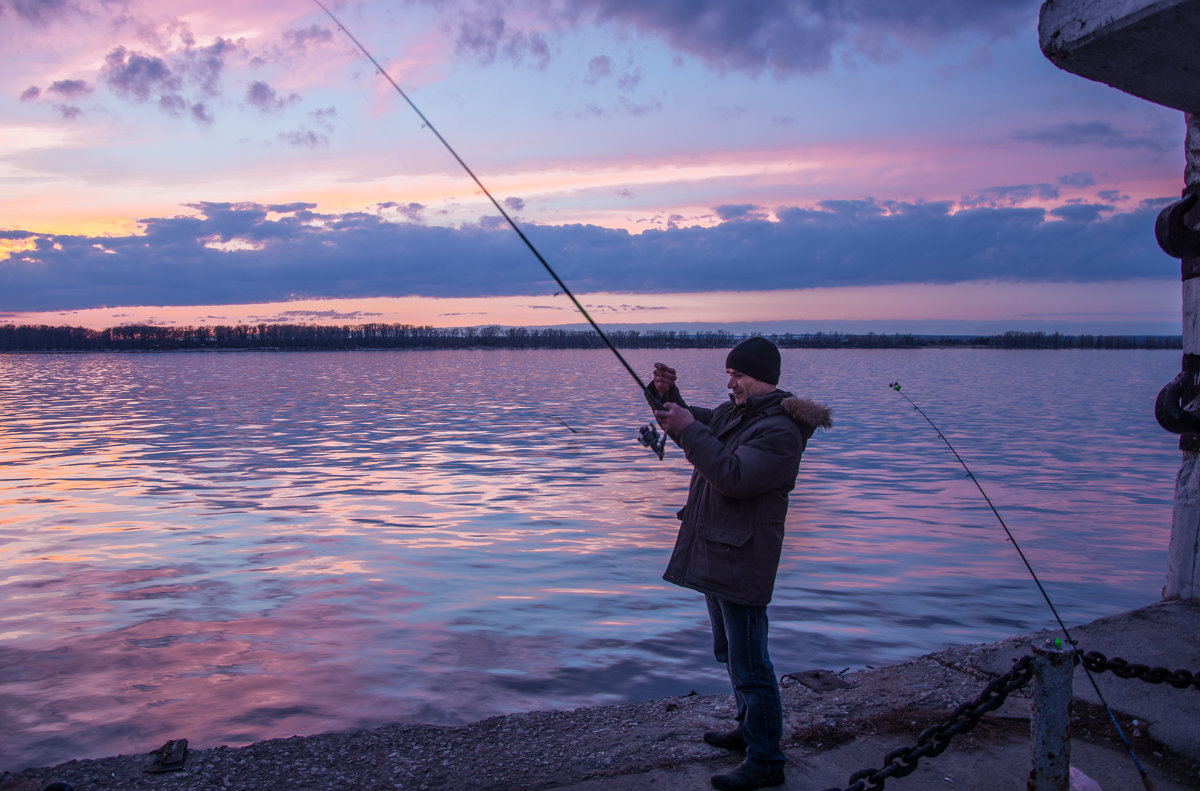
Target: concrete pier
829	734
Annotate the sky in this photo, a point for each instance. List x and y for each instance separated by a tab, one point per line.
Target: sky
777	165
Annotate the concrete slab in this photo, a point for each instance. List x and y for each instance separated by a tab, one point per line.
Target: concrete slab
1143	47
1163	635
828	735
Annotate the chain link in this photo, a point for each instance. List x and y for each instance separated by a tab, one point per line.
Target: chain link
935	739
1180	679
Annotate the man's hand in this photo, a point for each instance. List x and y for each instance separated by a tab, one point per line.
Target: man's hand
664	378
673	418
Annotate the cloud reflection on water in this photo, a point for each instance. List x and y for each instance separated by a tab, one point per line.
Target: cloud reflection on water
230	547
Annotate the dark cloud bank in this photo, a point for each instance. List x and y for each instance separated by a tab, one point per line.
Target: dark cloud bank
778	36
289	251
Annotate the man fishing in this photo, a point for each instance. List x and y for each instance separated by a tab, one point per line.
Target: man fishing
746	455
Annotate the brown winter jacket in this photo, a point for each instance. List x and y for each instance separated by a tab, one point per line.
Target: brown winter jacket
745	463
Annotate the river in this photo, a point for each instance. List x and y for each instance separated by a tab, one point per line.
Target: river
227	547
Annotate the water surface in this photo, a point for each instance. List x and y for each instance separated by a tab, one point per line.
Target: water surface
228	547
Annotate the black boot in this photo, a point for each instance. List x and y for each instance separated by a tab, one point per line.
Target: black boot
726	740
747	778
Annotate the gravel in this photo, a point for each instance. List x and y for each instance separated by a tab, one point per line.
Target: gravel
522	751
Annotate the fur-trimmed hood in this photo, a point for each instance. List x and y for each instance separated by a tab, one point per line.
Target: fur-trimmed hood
807	414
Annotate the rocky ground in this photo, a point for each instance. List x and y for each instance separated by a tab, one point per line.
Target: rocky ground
834	726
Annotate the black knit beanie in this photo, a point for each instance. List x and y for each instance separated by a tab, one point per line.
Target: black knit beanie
756	357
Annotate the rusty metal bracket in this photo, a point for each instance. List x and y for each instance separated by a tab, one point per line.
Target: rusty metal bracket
1177	408
1177	230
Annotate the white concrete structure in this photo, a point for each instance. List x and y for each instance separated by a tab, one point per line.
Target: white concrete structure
1151	49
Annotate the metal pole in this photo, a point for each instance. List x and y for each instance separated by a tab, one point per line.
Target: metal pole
1183	553
1050	721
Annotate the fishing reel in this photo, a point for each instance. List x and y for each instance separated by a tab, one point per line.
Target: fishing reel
648	436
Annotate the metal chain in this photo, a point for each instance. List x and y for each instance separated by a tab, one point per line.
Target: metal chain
1180	679
935	739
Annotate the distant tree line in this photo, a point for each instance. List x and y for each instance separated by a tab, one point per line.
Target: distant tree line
1054	340
140	337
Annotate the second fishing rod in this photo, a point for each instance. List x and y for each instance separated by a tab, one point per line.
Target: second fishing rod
1147	783
648	434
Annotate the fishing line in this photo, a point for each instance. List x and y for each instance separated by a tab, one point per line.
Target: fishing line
656	403
1066	633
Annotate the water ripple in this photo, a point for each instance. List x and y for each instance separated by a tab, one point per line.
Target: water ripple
234	547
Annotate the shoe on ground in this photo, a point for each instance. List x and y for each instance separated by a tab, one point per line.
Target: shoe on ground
726	740
746	778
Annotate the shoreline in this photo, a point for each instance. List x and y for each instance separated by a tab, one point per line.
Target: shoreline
829	732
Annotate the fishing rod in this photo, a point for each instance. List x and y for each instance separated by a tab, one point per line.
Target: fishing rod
648	434
1066	632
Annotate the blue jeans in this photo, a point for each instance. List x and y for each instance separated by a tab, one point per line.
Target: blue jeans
740	642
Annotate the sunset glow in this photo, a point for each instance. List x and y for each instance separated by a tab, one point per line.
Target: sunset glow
246	160
971	305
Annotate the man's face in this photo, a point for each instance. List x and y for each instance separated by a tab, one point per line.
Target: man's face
742	386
